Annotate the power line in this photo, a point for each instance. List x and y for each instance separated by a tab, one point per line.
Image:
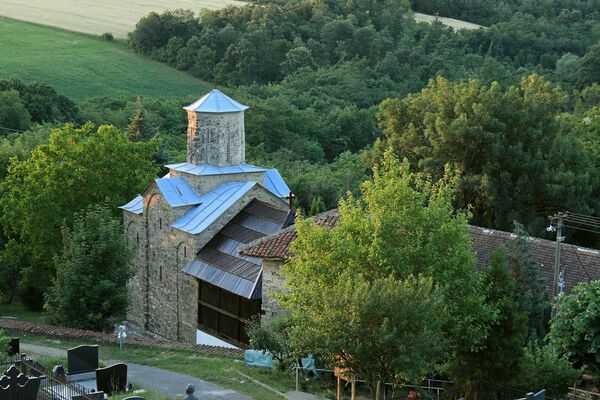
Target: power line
11	129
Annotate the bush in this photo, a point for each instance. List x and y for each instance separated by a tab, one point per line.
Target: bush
107	36
543	368
4	342
272	336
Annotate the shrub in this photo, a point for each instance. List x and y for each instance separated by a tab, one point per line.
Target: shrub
543	368
107	36
273	336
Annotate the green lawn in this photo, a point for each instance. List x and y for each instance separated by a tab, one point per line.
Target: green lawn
18	311
82	66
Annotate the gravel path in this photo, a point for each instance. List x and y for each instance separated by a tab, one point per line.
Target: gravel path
171	383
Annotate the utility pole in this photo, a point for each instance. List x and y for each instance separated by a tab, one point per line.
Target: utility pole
559	218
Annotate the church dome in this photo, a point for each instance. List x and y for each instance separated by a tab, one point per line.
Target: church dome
216	101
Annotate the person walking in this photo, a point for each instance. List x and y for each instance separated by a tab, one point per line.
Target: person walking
189	392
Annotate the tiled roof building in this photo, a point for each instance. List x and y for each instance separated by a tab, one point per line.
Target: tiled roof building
578	264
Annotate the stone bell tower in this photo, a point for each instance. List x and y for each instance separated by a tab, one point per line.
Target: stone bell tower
215	133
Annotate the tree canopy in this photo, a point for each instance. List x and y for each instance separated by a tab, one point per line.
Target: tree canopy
514	160
91	270
574	330
79	167
401	240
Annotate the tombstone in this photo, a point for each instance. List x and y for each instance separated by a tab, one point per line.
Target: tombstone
82	359
112	379
89	396
17	386
14	348
541	395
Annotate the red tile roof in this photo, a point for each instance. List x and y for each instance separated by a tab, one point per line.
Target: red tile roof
579	263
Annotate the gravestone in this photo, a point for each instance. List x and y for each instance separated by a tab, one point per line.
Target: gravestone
541	395
14	348
17	386
89	396
82	359
112	379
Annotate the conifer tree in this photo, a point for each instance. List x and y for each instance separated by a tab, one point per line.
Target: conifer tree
498	359
137	130
530	292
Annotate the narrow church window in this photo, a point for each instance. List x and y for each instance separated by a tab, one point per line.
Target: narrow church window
160	223
228	152
184	251
160	273
137	238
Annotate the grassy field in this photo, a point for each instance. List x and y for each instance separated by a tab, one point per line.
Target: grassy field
81	66
116	16
451	22
16	310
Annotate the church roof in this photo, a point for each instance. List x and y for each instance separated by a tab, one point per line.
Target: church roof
216	101
203	170
212	205
177	191
135	206
220	262
275	184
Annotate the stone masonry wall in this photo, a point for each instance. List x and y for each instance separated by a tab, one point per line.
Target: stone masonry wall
205	183
216	139
136	287
273	282
163	299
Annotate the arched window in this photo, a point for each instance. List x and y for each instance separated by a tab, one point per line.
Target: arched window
160	273
160	223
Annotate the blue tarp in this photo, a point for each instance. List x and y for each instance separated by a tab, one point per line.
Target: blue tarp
258	359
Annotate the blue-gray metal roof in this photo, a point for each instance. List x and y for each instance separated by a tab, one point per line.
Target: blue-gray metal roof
135	206
220	263
204	169
275	184
250	289
216	101
213	204
177	191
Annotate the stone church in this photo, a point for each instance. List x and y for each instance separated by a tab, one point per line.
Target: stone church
186	230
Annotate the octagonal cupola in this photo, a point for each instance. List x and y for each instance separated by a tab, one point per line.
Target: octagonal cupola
216	133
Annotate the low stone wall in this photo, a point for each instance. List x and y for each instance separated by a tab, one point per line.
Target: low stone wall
70	333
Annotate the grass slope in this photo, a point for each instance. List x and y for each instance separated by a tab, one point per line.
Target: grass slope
81	66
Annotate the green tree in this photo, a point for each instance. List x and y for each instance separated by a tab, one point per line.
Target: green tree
530	291
515	162
80	166
273	336
588	72
317	206
13	114
498	359
575	329
542	368
91	271
403	226
137	129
